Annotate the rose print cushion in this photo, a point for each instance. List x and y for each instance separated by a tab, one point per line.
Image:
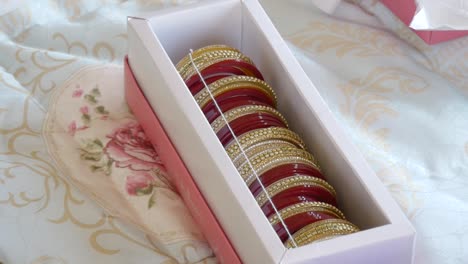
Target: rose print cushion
97	142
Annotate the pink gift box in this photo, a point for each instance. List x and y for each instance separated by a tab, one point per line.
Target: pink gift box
405	10
175	166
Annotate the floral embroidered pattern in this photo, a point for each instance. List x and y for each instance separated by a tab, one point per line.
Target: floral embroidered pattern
130	148
125	147
93	151
141	184
91	99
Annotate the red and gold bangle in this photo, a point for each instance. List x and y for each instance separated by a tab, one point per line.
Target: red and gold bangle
283	200
207	57
321	229
202	62
230	83
237	95
257	188
259	135
264	161
226	68
210	75
250	177
204	52
261	165
197	87
211	112
319	193
253	150
248	123
297	185
304	207
296	222
243	111
198	52
283	171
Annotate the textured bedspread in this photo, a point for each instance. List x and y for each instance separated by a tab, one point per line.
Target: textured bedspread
63	115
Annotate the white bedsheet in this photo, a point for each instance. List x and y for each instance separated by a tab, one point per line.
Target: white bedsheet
403	103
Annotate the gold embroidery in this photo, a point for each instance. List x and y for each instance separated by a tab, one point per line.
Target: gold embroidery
41	60
114	230
345	39
367	99
101	50
45	259
70	46
399	182
17	23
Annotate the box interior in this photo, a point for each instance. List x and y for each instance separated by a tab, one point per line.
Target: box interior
233	24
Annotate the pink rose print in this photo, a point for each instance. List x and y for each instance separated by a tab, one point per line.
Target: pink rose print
130	148
72	128
84	110
77	93
139	184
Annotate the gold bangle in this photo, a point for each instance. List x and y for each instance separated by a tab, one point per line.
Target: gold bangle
205	53
292	181
258	135
287	183
186	60
273	158
270	154
243	111
260	147
321	229
209	58
231	83
305	207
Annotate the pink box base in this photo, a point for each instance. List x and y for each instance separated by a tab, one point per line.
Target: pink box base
184	183
405	10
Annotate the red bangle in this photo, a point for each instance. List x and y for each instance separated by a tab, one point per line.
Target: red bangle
198	86
247	68
250	87
210	75
246	124
296	222
226	67
211	112
298	195
318	192
285	202
239	95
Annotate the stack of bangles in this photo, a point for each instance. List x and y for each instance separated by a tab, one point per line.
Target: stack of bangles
298	194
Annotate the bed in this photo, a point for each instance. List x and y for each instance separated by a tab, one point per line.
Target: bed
403	103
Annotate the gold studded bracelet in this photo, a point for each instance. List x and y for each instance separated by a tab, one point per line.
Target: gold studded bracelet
260	147
320	230
290	182
305	207
263	134
241	111
185	61
231	83
209	58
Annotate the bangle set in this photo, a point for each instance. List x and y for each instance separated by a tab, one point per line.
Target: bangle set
281	174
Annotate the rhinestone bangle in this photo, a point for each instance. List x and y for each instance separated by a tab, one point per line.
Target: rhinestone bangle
243	111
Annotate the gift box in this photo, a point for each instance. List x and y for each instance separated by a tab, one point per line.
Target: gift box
215	193
405	11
